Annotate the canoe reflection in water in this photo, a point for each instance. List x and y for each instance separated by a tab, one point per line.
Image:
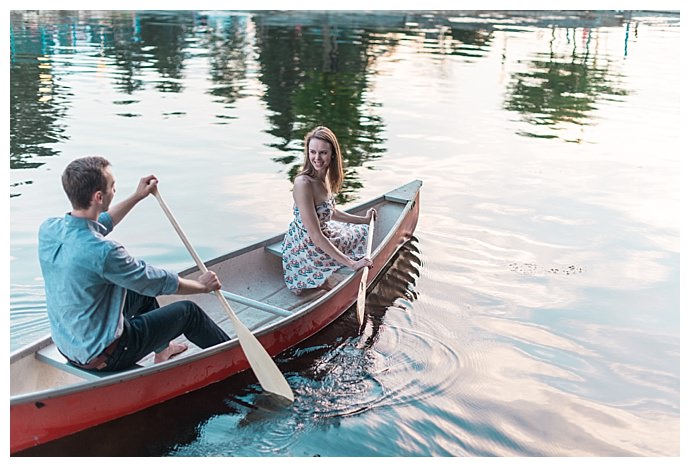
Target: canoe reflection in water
336	373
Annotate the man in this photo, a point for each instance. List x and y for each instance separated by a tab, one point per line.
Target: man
101	301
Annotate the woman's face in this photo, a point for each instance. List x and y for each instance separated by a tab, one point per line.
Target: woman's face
320	154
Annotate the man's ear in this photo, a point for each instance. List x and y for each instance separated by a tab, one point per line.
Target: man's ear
97	197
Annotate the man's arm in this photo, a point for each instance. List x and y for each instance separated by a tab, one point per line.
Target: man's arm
207	282
130	273
146	186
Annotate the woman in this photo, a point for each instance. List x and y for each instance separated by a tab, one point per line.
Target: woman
321	239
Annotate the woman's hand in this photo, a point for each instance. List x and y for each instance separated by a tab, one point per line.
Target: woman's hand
361	263
371	214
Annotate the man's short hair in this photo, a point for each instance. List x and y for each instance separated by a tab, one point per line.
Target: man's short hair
82	178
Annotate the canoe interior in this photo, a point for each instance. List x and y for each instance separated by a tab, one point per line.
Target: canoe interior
28	374
258	274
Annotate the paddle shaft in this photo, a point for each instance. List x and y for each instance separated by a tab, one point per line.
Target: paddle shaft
361	296
264	368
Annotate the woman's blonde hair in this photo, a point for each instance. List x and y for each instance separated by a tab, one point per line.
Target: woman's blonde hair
335	169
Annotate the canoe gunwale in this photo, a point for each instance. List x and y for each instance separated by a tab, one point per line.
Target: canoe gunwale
270	327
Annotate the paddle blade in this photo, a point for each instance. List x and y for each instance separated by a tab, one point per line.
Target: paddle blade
361	296
265	369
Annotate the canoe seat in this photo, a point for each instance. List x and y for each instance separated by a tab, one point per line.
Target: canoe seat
52	356
276	248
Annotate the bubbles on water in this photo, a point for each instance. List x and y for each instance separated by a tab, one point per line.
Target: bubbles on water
532	269
527	269
566	271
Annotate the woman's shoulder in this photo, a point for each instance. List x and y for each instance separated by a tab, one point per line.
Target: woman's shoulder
302	188
303	181
304	177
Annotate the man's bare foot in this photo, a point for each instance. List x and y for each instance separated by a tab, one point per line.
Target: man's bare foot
170	351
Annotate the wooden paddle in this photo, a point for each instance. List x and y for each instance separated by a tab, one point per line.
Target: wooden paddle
361	296
265	369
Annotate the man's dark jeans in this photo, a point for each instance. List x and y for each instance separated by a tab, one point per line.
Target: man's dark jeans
149	328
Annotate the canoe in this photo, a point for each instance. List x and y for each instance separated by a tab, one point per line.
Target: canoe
51	399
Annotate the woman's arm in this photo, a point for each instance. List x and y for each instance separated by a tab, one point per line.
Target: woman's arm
341	216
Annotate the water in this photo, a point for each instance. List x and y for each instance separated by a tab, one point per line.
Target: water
537	310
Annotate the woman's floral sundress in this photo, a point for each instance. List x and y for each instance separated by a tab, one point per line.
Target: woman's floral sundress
306	266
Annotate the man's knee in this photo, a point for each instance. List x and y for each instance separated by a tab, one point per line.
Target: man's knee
192	309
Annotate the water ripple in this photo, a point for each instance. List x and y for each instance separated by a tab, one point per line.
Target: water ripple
398	370
346	381
28	314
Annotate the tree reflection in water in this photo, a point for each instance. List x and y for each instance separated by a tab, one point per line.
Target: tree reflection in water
560	90
309	68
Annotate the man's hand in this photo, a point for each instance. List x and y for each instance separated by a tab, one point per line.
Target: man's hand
210	281
207	282
147	185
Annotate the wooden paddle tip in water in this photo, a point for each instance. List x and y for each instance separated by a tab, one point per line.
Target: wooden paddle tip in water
362	294
285	394
264	368
361	298
276	388
360	313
